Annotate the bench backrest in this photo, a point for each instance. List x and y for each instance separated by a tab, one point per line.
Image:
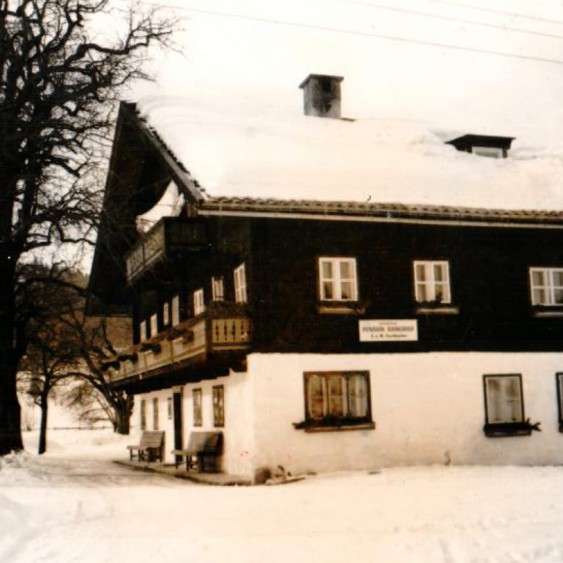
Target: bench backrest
151	439
205	442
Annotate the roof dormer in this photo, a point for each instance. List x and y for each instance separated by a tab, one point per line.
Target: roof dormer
321	95
483	145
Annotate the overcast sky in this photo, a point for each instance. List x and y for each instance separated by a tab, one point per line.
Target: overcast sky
464	65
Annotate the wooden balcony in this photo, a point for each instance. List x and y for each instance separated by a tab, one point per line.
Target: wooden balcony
170	237
213	335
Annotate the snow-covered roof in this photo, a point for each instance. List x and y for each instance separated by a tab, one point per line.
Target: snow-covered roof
290	156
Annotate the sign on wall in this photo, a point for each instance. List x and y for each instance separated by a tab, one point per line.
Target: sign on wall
388	330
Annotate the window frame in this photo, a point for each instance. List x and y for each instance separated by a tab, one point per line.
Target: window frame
153	321
175	310
240	284
198	301
155	414
197	407
218	288
169	408
549	287
430	283
559	385
218	398
143	334
500	428
143	414
336	280
330	421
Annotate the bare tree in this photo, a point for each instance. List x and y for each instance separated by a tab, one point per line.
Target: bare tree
64	345
45	296
58	85
93	344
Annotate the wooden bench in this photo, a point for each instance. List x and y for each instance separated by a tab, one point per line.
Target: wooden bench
150	446
203	452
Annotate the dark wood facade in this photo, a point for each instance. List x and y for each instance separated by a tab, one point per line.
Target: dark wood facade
489	255
490	308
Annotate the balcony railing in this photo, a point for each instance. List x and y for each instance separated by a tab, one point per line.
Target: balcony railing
170	236
190	341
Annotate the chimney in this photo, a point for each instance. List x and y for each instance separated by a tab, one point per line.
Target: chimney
321	95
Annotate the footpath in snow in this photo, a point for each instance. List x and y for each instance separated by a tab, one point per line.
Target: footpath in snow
75	505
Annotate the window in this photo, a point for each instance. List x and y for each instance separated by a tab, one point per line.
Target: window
218	405
504	406
175	310
198	413
165	314
169	408
336	399
199	302
337	279
240	284
143	415
154	325
432	282
491	152
143	331
217	289
546	286
559	379
155	414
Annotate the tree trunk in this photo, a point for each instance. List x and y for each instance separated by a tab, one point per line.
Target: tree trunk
43	427
123	410
10	413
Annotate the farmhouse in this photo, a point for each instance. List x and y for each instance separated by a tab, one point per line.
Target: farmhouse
315	321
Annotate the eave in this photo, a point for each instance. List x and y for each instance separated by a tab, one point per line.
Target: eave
381	212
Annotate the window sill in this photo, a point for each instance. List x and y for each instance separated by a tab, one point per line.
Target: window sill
340	308
547	312
510	429
320	427
423	309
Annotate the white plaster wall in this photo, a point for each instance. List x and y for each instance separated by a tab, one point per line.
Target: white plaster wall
238	448
428	408
164	423
237	431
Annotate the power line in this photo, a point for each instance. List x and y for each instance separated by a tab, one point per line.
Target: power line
493	11
330	29
452	19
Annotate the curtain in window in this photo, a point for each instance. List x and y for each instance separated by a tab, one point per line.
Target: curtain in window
218	406
358	395
336	395
316	396
328	281
197	407
504	399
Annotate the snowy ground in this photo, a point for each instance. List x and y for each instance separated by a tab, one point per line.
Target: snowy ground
74	504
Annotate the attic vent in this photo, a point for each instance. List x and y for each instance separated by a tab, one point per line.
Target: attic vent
321	95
